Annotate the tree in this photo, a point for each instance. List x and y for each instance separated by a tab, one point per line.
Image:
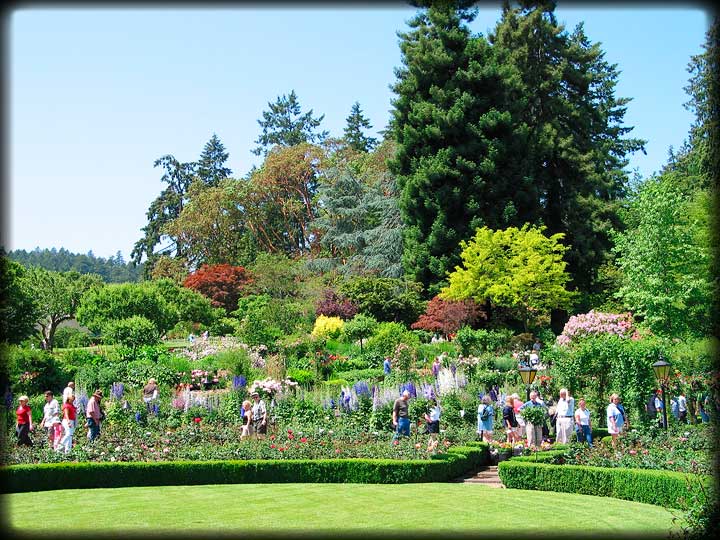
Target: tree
354	135
284	125
131	332
57	296
334	305
275	275
18	311
211	168
570	123
455	153
163	210
105	306
447	316
191	305
385	299
360	327
665	259
223	284
521	269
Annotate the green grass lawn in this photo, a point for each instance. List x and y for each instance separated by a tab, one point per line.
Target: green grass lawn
330	510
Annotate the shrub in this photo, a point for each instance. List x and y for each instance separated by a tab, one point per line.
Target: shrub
327	327
301	376
352	376
68	337
133	332
335	305
596	323
474	342
388	336
33	371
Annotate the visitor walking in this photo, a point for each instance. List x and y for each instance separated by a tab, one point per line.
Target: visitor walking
247	428
660	407
520	430
623	415
614	419
24	423
50	410
400	416
534	431
432	424
565	412
682	408
94	415
486	418
582	424
69	391
259	416
69	422
510	421
150	395
436	365
386	366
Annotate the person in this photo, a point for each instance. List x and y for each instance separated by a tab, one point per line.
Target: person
486	417
520	430
432	424
247	428
50	409
534	358
582	424
68	422
94	415
436	367
536	346
191	338
400	416
57	428
565	411
682	407
650	407
150	395
674	407
206	335
659	407
614	419
534	432
69	391
24	423
386	366
623	414
259	416
510	421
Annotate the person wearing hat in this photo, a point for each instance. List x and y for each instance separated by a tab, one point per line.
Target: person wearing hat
24	422
93	413
259	416
150	395
50	409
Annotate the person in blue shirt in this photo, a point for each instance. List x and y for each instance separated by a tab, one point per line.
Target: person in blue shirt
386	365
534	433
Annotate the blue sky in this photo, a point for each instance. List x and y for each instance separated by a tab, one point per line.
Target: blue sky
96	95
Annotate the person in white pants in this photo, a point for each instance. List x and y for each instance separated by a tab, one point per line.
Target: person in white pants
565	410
69	422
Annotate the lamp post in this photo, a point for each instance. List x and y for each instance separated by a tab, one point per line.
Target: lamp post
528	376
662	372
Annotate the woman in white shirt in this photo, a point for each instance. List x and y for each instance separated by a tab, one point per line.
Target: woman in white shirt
432	425
614	419
582	423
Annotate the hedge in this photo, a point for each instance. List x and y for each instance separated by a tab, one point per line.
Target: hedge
661	488
50	476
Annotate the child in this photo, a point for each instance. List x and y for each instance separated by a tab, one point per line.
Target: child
57	431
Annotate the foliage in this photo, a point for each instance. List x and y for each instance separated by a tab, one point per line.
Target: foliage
446	317
192	306
327	327
385	299
284	125
665	259
264	320
353	132
595	323
335	305
481	340
132	332
18	310
223	284
68	336
211	168
360	327
534	414
32	371
521	269
387	336
274	274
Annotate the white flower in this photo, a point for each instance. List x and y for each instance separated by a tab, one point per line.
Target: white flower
118	448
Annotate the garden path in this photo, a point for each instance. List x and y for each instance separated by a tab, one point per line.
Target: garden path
485	475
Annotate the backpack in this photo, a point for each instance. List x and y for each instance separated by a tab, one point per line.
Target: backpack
485	414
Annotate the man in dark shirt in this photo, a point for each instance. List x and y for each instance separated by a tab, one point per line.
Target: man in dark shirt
400	416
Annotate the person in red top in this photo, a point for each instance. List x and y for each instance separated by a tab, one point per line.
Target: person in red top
24	422
69	422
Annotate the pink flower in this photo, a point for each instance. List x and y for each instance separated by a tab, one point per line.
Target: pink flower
337	450
272	437
632	452
272	445
291	437
281	449
197	419
396	442
417	445
303	439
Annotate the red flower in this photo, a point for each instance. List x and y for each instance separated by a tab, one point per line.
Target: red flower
281	449
303	439
272	445
197	419
291	437
396	442
290	431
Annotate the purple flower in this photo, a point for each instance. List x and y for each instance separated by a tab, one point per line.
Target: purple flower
361	388
117	390
239	381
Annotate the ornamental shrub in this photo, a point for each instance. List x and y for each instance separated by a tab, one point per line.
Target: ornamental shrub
596	323
388	336
327	327
132	332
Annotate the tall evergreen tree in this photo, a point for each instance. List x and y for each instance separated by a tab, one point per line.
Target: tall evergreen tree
354	135
211	167
285	125
455	156
563	104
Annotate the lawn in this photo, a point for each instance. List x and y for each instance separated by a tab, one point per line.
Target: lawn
329	510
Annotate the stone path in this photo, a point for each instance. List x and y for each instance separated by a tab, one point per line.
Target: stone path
485	475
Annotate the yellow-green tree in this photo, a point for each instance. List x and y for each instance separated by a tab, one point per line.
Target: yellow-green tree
520	269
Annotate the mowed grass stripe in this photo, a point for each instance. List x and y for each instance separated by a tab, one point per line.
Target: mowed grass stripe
258	508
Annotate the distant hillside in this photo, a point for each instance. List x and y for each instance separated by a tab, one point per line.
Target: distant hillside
113	270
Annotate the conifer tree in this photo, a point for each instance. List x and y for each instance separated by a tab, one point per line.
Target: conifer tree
211	167
354	135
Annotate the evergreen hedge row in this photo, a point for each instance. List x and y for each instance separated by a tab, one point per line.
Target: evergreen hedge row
51	476
661	488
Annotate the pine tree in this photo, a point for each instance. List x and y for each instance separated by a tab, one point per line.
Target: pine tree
284	125
210	168
354	135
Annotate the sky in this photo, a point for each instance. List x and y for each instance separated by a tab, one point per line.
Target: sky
96	95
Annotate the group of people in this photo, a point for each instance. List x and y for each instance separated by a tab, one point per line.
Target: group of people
254	417
59	421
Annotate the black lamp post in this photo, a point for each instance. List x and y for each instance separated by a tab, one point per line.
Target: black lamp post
528	376
662	372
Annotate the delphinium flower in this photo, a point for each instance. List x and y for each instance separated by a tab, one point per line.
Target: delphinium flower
446	382
428	392
117	390
239	381
410	387
361	388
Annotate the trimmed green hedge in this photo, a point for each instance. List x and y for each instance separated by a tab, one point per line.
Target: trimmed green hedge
50	476
662	488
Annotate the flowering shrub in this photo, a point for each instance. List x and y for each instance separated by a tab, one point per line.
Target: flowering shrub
327	327
270	387
595	322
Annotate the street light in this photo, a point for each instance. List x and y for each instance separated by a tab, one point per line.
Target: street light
528	376
662	372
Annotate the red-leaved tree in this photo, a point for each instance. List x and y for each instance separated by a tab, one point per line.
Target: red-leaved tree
448	316
223	284
334	305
